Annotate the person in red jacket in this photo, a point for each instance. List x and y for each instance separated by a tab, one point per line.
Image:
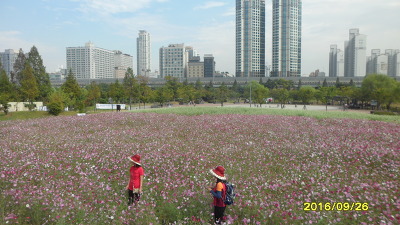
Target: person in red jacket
218	192
135	185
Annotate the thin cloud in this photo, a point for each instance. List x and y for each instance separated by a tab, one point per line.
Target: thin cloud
209	5
115	6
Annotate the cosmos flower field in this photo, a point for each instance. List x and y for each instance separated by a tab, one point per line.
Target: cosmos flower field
73	170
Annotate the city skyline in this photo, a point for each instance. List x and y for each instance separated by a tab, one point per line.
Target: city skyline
207	26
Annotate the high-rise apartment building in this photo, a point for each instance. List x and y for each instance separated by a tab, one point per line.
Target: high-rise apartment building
393	59
336	62
379	63
355	54
173	61
143	53
122	63
286	38
90	62
8	58
250	38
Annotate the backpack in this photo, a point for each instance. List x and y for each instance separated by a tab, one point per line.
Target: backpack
229	193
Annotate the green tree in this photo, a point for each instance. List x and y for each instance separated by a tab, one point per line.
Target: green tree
39	71
163	95
131	86
306	94
144	91
173	84
186	93
280	95
29	86
116	91
19	66
294	95
270	84
258	92
6	90
57	101
72	89
94	94
222	93
326	94
381	88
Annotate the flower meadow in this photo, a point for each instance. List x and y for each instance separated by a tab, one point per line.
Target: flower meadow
74	170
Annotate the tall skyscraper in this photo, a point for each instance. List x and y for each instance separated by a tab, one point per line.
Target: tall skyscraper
90	62
209	65
173	61
355	54
143	53
336	62
286	38
250	38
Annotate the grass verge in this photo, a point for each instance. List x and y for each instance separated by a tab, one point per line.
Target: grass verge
190	111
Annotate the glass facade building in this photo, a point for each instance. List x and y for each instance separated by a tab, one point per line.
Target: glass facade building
250	38
286	38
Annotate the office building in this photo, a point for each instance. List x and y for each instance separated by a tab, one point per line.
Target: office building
90	62
209	65
250	38
143	53
195	67
355	54
173	61
286	38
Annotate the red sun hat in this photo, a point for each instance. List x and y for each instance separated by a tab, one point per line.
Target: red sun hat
219	172
135	159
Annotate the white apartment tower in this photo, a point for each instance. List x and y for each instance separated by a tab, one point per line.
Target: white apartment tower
355	54
8	58
90	62
143	53
173	61
122	63
286	38
250	38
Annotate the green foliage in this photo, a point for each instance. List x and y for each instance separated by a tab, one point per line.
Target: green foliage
72	89
94	93
39	71
381	88
306	94
19	66
6	90
56	103
280	95
29	85
130	86
163	95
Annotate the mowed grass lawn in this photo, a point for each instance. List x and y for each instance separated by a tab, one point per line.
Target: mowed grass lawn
289	167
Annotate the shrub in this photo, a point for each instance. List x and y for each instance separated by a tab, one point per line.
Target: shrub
56	103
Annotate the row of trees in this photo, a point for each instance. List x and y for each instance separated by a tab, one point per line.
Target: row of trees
29	82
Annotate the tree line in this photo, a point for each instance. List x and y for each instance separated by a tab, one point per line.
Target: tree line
29	82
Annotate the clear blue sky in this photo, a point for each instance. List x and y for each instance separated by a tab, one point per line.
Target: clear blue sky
208	26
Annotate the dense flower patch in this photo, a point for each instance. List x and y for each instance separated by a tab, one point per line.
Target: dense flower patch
74	169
